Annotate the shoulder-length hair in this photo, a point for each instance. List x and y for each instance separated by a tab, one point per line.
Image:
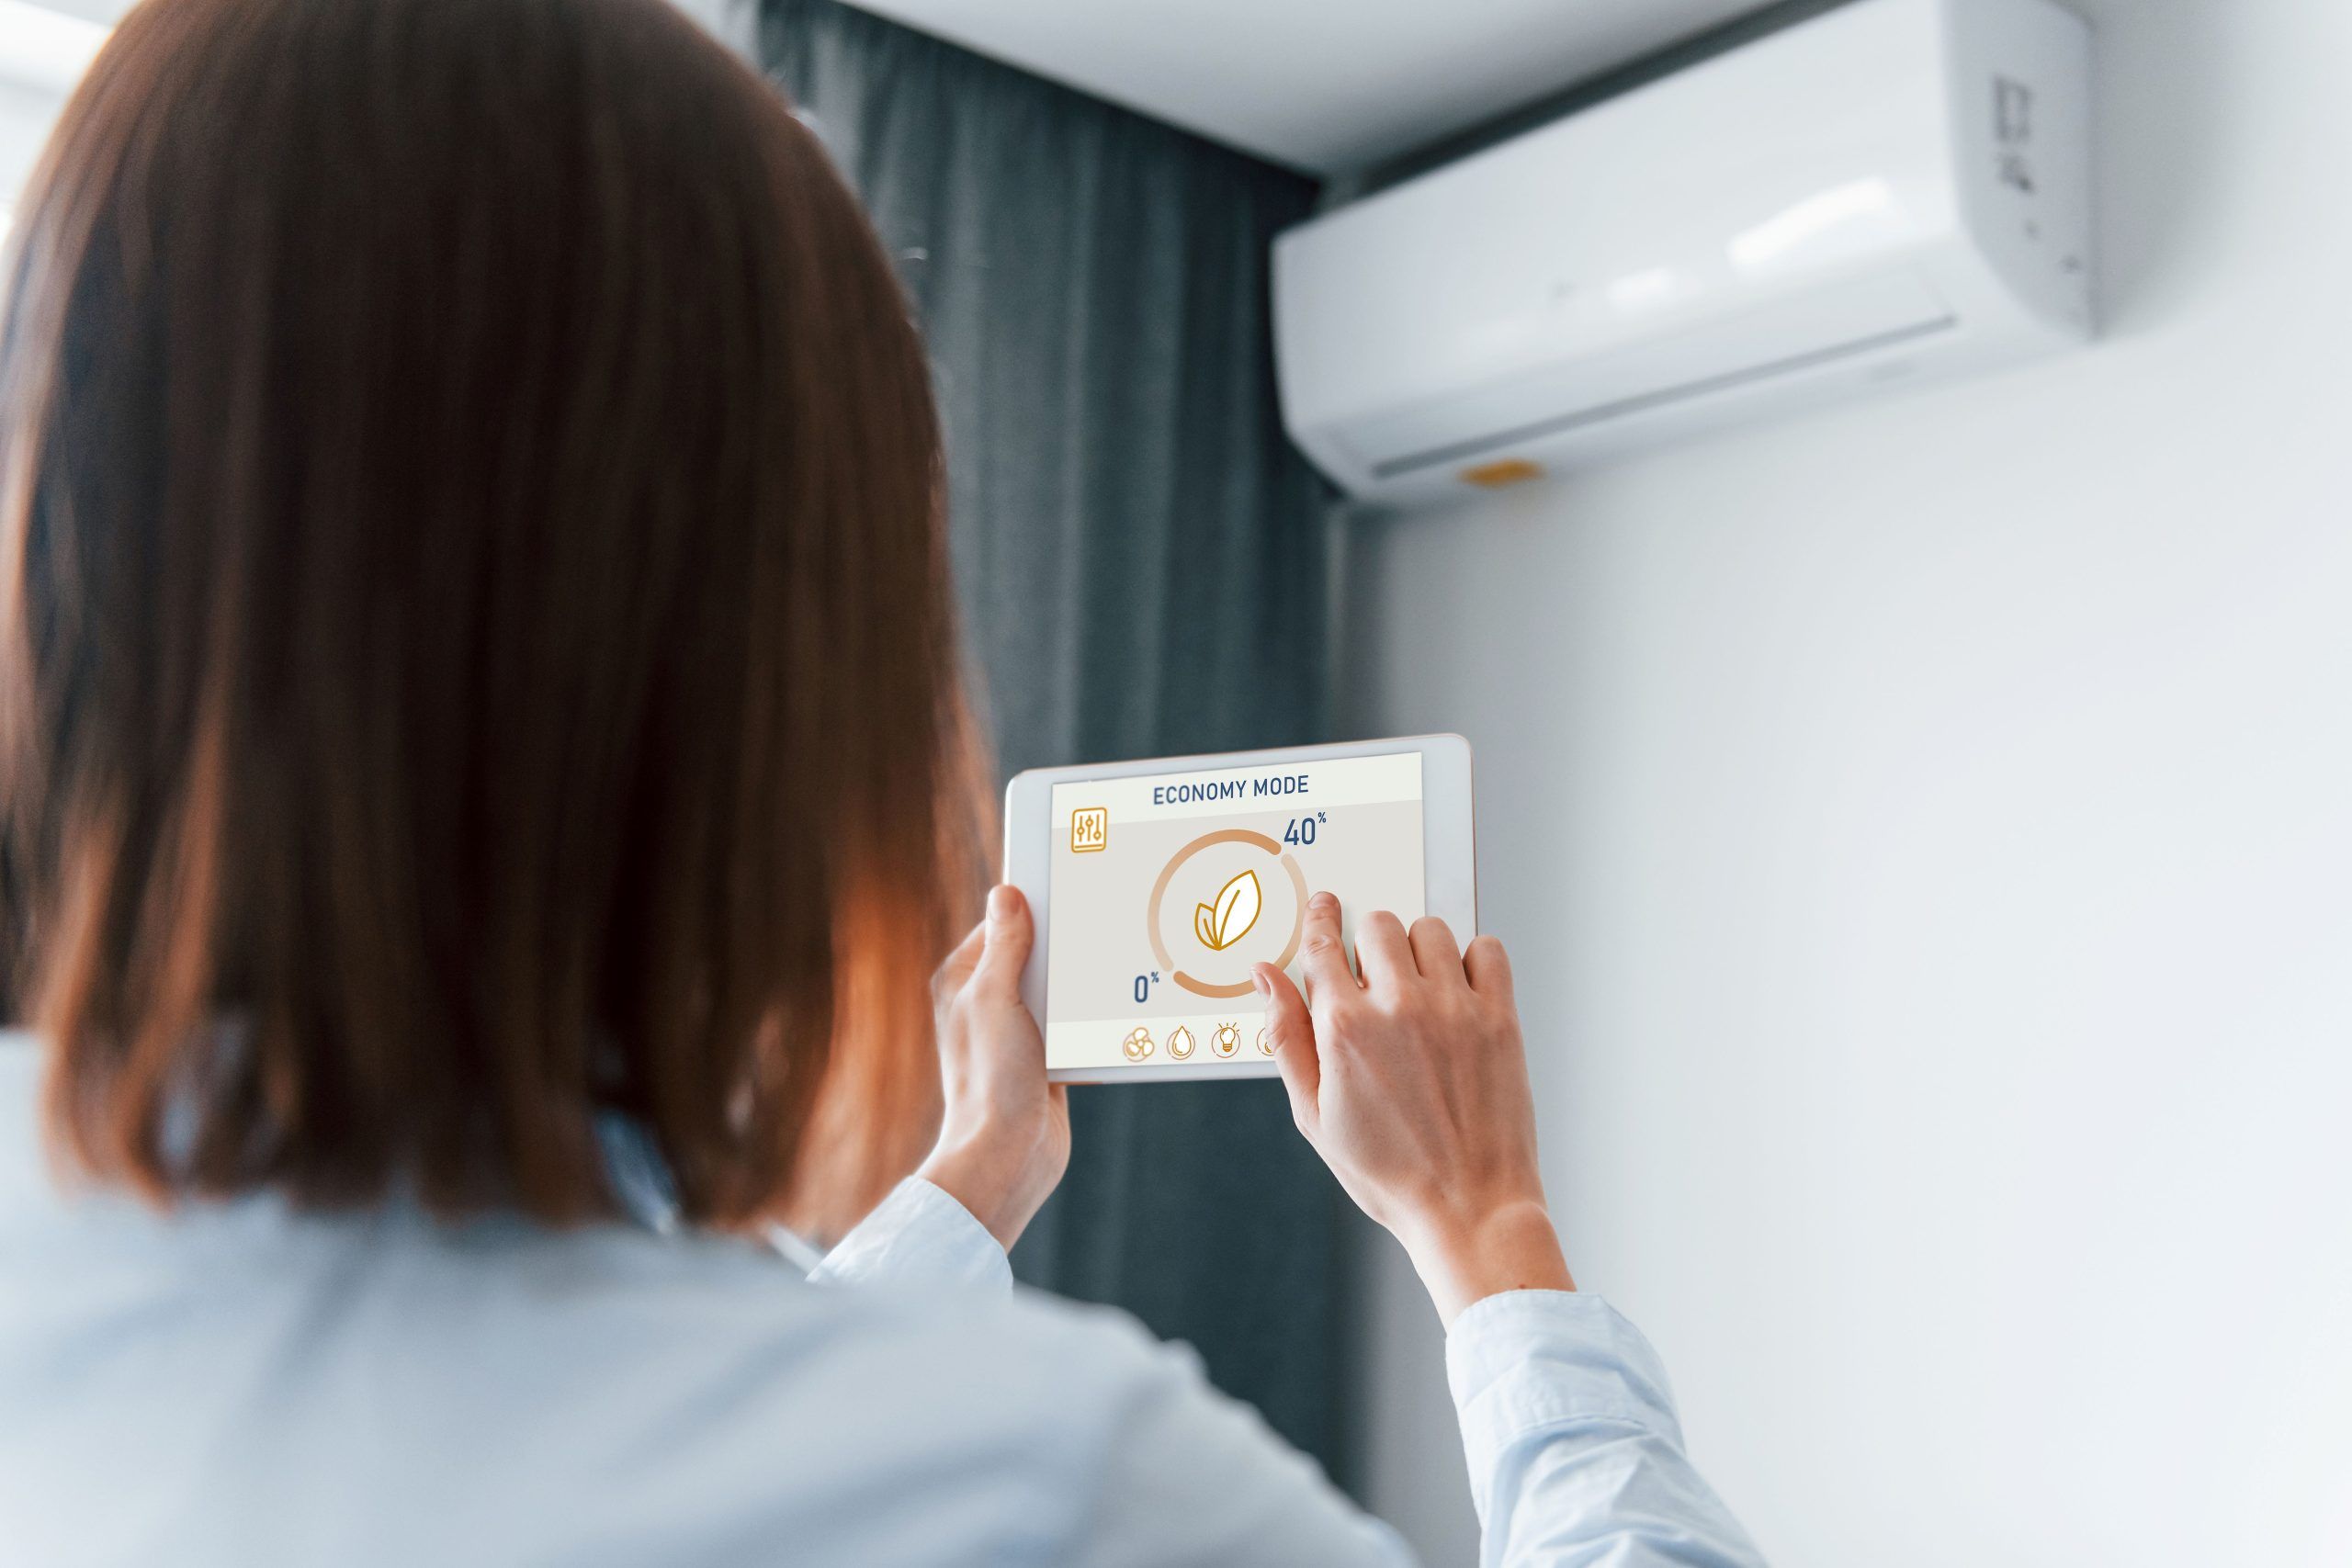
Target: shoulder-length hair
475	636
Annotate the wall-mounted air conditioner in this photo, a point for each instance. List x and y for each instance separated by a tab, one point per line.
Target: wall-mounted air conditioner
1894	190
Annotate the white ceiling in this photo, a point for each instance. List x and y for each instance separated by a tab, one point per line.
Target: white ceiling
1327	86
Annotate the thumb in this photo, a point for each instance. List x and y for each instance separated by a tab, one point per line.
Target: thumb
1005	944
1291	1030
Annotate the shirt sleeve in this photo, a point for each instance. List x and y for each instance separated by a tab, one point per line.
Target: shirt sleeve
918	1238
1576	1454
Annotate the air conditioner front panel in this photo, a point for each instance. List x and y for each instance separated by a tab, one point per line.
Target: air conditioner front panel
1698	197
1828	321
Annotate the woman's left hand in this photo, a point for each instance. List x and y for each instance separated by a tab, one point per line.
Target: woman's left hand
1004	1140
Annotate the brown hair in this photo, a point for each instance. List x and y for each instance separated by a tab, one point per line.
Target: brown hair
475	646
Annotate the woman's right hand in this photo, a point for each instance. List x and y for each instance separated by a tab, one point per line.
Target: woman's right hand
1412	1086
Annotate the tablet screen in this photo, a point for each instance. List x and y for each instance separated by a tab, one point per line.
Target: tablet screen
1166	887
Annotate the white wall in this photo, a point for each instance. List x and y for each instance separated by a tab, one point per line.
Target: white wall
26	115
1924	834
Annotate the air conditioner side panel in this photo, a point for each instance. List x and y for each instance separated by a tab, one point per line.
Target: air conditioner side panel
2019	89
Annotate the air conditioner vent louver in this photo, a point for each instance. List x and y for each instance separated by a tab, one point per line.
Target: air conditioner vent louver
1666	397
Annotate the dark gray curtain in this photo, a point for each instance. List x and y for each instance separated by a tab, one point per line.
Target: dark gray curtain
1142	568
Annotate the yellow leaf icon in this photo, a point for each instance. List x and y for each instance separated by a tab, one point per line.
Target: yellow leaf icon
1226	922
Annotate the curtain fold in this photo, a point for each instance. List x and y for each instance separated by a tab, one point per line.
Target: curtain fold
1141	560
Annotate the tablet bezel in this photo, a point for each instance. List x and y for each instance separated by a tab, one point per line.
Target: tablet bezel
1449	863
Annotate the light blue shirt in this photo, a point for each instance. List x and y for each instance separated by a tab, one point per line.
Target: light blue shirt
237	1384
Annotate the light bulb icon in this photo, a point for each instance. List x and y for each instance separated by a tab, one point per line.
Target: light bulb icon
1226	1039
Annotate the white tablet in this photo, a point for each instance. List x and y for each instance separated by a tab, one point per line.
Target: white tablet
1157	884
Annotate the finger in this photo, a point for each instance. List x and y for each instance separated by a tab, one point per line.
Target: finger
1435	953
956	967
1383	952
1291	1030
1005	945
1387	956
1489	968
1321	959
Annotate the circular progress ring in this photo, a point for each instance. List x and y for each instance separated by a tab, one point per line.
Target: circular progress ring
1167	874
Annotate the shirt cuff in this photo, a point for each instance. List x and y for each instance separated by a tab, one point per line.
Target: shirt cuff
920	1238
1523	1361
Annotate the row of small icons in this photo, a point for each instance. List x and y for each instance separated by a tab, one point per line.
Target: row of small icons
1225	1041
